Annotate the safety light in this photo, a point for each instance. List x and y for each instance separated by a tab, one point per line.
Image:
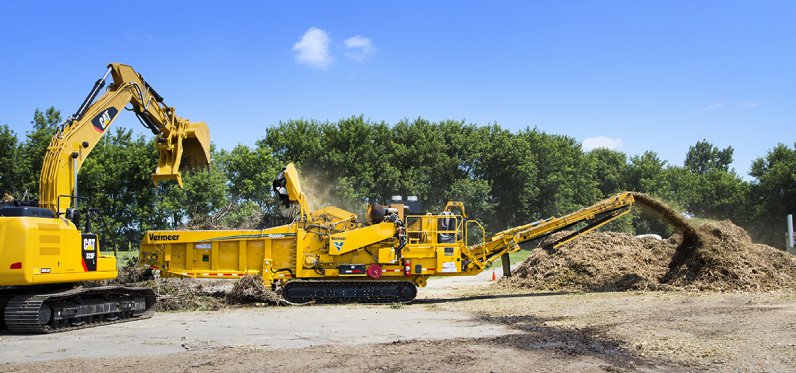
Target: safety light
17	265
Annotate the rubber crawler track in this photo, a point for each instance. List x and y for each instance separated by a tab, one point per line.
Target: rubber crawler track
335	291
22	313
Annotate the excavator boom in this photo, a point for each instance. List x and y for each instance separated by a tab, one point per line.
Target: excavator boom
181	143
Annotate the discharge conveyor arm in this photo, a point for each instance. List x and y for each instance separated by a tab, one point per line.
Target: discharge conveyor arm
593	217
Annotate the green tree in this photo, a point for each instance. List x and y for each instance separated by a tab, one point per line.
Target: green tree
116	177
773	192
45	124
205	190
509	166
242	215
296	141
203	194
250	173
9	162
675	185
705	156
719	194
565	175
610	169
418	151
475	194
356	164
648	173
643	171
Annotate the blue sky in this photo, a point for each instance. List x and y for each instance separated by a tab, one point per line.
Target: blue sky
636	75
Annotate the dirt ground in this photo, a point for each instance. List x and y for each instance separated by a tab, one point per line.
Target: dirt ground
460	324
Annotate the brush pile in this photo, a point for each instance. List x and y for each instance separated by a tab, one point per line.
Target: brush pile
250	289
196	294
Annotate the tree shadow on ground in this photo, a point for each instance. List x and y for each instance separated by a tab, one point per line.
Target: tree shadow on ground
564	342
486	296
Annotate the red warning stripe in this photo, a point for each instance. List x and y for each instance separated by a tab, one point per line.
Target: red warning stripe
212	274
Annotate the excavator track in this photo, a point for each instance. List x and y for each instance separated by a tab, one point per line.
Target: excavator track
77	308
341	291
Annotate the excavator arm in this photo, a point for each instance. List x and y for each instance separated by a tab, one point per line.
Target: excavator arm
587	220
181	143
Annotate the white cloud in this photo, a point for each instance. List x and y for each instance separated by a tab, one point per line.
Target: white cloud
313	49
714	106
749	104
358	47
602	142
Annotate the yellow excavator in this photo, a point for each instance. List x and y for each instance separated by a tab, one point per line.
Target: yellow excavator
329	255
44	248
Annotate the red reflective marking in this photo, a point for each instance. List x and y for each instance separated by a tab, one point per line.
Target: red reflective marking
83	262
17	265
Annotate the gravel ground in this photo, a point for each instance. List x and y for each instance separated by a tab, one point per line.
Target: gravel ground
456	324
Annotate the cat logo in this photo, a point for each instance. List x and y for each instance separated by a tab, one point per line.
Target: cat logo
88	244
339	245
89	252
103	119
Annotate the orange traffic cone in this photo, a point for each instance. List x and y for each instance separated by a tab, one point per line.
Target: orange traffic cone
493	276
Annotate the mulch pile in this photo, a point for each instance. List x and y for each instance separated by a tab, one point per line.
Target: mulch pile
716	256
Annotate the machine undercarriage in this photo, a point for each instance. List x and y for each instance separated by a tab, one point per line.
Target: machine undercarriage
48	310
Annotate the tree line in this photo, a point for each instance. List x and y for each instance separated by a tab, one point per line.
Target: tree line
505	178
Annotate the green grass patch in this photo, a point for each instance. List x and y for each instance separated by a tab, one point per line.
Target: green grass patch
519	256
122	256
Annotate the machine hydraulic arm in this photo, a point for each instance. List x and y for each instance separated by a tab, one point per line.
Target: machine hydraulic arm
587	219
180	142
